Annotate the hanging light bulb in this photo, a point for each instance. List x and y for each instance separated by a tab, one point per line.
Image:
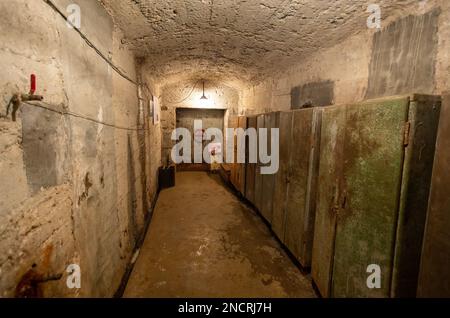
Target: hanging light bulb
204	96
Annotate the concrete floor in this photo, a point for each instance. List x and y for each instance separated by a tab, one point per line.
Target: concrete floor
203	242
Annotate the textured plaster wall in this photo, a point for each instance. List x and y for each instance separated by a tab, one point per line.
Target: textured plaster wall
240	41
347	65
72	191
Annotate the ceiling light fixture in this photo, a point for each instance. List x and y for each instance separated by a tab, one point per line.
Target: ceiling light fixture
204	96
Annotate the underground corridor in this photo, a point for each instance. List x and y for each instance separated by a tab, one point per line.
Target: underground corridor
239	149
202	237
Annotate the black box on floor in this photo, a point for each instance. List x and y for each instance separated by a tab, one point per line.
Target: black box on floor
167	177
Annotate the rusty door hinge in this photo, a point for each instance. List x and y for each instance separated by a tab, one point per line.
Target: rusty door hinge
406	133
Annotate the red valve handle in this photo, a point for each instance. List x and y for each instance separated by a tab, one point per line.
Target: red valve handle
32	84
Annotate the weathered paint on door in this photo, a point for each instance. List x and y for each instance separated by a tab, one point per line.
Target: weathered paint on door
268	180
373	190
242	124
281	178
424	113
369	197
233	122
250	167
300	209
329	182
211	118
434	278
258	177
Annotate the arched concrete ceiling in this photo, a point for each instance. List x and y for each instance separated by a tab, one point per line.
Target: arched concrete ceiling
237	41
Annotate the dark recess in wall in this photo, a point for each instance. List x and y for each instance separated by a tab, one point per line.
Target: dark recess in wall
404	56
312	94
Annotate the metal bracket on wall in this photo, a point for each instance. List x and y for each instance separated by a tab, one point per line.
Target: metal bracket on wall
17	99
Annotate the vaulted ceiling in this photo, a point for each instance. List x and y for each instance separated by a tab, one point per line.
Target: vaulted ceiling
237	40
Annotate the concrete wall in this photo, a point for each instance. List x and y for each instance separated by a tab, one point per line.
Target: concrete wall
77	192
409	54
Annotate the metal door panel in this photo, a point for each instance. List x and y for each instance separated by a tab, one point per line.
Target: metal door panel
281	178
258	177
329	180
305	255
434	275
250	168
233	123
424	114
296	218
242	123
268	180
369	196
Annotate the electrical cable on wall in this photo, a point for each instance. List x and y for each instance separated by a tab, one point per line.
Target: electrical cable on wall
89	43
69	113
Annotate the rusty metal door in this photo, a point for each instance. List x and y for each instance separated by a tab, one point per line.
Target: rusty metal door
242	123
369	196
329	181
300	208
281	178
250	167
268	180
434	278
260	122
233	122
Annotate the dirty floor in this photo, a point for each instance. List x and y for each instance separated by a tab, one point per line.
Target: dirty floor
203	242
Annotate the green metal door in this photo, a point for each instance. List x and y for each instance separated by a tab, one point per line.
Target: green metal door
369	196
328	188
281	178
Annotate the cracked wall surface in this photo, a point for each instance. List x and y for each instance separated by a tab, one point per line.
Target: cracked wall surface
77	192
